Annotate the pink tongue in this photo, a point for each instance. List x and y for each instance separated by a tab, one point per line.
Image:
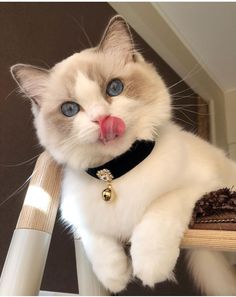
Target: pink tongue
110	128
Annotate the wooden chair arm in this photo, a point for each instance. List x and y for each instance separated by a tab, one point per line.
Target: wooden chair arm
212	239
24	266
43	195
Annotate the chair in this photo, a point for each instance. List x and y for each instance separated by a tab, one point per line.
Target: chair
34	230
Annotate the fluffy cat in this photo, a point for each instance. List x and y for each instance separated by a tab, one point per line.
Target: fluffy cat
89	109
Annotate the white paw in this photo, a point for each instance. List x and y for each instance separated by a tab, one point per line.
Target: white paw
154	266
114	272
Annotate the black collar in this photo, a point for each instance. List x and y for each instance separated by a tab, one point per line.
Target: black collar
127	161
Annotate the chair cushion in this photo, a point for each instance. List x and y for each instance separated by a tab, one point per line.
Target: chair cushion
215	211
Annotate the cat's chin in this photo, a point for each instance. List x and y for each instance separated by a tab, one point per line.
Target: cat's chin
99	153
111	142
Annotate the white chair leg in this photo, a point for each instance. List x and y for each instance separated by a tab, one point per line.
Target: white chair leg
88	283
23	269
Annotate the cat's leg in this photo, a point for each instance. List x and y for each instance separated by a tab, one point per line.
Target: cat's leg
212	272
109	261
156	239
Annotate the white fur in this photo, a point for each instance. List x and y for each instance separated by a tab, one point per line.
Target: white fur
212	272
152	214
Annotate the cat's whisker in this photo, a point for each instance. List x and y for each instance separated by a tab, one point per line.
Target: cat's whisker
176	95
189	110
70	141
183	108
75	138
190	105
137	48
183	91
177	98
20	163
13	91
196	69
68	145
37	145
191	73
182	120
188	75
83	31
194	131
184	113
43	62
17	190
85	133
155	132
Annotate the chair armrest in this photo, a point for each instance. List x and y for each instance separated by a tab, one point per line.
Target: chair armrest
211	239
42	198
24	266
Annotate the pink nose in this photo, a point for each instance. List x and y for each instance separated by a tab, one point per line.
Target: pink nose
110	128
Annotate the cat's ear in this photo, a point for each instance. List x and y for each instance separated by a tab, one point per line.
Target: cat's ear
31	80
117	39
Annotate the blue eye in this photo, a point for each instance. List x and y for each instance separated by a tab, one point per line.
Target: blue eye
114	87
70	108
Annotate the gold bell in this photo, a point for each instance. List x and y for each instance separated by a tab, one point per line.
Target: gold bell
108	193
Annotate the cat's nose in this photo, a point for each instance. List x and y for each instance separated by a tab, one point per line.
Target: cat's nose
97	112
100	119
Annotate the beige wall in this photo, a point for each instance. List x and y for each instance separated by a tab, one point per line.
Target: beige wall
230	111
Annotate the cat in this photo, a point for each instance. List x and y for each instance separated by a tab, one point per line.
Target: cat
99	108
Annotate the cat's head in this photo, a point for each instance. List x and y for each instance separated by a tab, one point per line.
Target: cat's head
92	106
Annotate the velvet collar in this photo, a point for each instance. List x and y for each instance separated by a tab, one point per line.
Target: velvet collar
139	150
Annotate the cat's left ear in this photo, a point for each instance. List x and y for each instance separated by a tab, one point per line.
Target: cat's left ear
117	39
32	81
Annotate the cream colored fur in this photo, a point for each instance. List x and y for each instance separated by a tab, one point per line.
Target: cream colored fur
155	199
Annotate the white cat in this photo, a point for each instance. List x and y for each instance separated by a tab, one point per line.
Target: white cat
91	108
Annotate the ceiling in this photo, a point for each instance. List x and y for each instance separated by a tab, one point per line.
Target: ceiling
209	32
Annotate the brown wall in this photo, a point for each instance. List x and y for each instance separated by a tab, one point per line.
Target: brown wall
43	34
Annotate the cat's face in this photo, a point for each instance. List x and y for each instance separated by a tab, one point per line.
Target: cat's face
92	106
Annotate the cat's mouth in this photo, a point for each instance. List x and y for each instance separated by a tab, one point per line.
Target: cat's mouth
111	128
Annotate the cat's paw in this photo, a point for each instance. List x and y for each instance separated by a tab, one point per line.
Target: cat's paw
114	272
154	266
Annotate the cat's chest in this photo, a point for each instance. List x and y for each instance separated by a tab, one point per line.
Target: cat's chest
83	204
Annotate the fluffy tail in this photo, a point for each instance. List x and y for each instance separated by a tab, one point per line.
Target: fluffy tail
212	272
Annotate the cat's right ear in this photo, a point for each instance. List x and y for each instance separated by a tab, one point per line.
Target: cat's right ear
117	39
32	81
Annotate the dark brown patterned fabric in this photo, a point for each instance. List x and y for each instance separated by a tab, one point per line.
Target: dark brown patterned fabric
216	211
